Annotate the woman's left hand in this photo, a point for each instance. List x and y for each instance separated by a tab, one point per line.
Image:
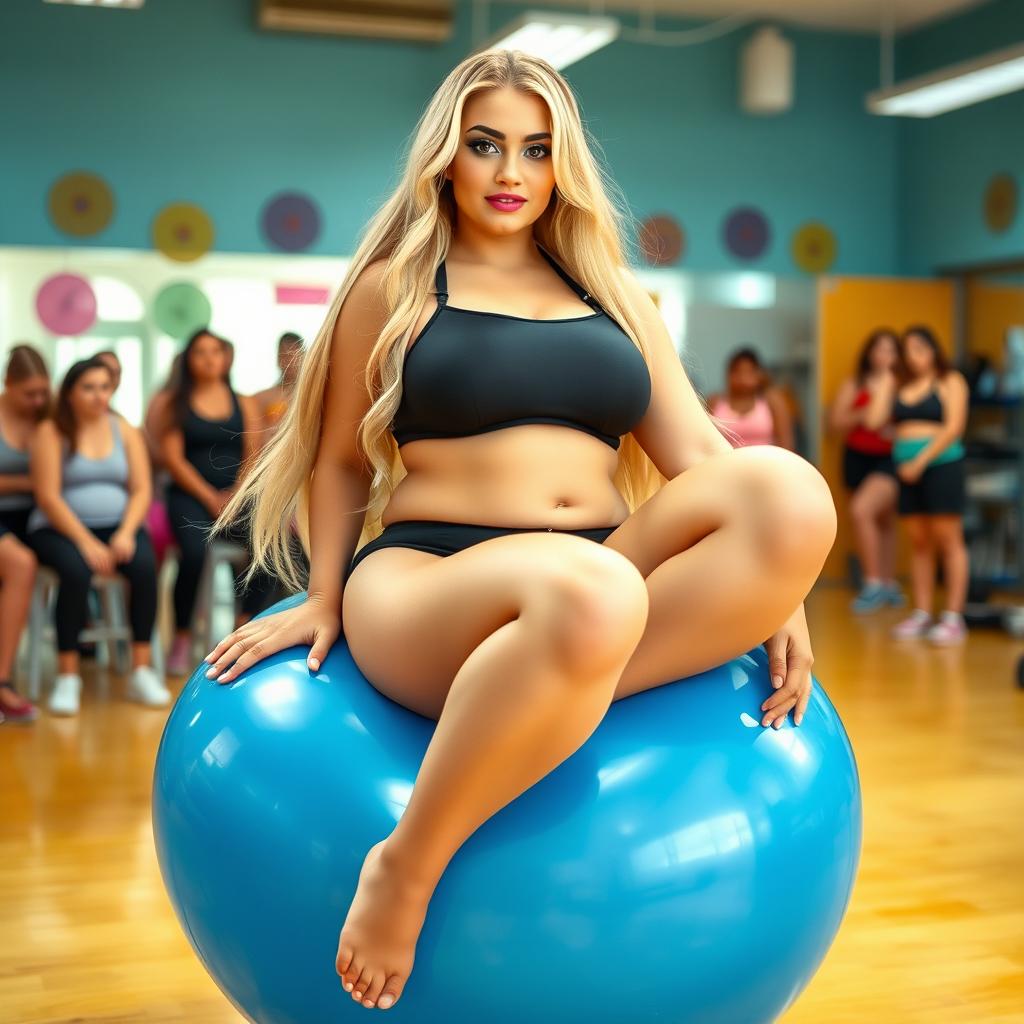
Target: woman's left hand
123	546
789	662
911	471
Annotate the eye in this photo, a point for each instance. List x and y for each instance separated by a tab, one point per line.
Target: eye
544	151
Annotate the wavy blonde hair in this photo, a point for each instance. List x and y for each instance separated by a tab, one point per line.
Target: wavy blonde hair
581	227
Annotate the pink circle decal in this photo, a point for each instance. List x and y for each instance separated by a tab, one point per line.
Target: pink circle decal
66	304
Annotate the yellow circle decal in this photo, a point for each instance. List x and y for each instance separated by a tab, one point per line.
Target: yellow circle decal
182	232
80	204
814	248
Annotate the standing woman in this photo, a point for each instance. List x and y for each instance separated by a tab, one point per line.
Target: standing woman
207	437
90	475
23	403
930	414
570	528
751	412
869	472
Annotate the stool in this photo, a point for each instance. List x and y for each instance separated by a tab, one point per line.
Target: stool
218	553
110	630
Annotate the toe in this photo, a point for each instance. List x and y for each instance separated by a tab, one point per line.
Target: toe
362	983
352	974
373	990
392	992
344	958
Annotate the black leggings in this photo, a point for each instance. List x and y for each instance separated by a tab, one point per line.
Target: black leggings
58	551
191	524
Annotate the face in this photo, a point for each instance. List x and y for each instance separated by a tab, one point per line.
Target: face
289	357
90	395
884	353
115	369
207	360
744	377
918	354
505	148
29	397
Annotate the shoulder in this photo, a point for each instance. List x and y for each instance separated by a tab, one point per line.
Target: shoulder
364	310
954	383
639	297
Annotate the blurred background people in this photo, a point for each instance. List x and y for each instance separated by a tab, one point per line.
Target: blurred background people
929	410
207	437
91	482
751	411
23	403
272	402
872	487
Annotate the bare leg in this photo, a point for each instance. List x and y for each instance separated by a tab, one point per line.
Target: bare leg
869	504
888	544
922	561
17	576
524	700
949	538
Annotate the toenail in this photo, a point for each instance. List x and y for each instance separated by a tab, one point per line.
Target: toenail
385	1002
348	986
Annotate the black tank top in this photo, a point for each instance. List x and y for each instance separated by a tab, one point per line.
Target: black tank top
470	372
928	408
214	447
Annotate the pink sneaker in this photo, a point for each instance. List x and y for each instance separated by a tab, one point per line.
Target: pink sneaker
949	630
915	625
179	661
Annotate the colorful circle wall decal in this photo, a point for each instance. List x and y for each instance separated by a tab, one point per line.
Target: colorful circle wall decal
814	248
181	308
1000	202
662	240
182	232
66	304
291	221
80	204
746	233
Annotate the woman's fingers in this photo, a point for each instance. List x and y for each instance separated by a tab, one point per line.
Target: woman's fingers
231	639
801	705
258	647
243	645
322	642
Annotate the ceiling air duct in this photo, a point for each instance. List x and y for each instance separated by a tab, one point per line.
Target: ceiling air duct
423	20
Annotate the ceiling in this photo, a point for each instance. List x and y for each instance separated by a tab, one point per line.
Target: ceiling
836	15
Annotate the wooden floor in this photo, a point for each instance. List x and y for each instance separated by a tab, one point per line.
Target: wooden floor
934	933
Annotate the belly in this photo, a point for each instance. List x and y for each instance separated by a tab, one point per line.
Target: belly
918	428
535	474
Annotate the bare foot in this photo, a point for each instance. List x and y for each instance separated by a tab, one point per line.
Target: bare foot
378	940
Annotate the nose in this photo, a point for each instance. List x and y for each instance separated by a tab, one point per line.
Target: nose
508	173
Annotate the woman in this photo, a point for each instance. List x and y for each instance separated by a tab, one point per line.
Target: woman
90	475
930	414
533	565
207	437
23	402
751	412
869	473
272	402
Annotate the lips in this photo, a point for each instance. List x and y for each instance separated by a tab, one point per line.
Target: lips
506	202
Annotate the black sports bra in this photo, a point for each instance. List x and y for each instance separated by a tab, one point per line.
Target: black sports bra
473	372
928	408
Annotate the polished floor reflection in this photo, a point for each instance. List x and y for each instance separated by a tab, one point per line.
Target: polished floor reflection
934	933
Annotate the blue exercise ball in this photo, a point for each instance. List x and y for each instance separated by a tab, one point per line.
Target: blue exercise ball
684	865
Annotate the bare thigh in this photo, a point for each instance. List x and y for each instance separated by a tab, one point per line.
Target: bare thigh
411	618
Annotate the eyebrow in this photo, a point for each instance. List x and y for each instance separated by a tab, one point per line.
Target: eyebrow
501	135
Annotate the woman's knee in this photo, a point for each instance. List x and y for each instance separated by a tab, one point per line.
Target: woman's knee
18	563
788	505
591	601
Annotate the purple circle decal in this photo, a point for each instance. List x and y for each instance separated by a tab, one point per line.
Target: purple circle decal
66	304
291	221
746	233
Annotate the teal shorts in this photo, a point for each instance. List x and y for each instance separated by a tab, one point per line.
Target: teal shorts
905	448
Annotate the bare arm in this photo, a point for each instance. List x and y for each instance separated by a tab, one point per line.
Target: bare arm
675	432
252	422
879	409
782	420
45	468
842	417
140	486
15	483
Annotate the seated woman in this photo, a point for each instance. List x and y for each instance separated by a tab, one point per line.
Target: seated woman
207	436
90	475
750	412
23	401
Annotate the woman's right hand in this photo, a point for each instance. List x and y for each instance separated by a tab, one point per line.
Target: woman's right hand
313	622
98	556
215	501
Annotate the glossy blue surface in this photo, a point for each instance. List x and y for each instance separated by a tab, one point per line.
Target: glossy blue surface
684	865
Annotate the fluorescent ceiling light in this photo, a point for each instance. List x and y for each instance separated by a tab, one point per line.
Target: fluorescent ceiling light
959	85
561	39
99	3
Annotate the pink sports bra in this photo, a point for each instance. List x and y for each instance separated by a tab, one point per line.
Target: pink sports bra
742	429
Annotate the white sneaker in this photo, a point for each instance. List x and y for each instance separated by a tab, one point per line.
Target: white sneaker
145	686
64	697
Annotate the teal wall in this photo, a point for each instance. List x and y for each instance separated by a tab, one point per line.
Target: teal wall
188	101
947	161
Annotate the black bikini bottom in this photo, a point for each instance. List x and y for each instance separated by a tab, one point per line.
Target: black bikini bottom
440	538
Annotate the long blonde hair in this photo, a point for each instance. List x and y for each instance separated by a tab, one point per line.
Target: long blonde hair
581	227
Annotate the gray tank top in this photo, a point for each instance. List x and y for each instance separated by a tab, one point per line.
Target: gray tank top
13	462
96	490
